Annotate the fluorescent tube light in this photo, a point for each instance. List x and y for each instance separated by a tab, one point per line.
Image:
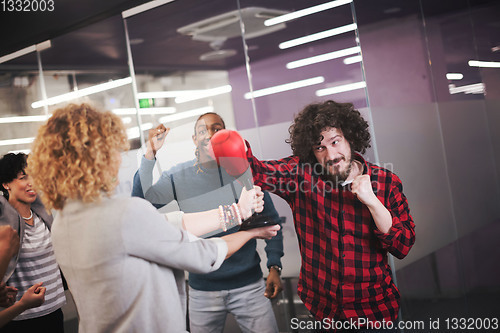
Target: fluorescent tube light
24	151
23	119
304	12
486	64
144	7
342	88
285	87
133	132
20	141
323	57
476	88
166	94
82	92
126	120
318	36
454	76
204	94
186	114
353	60
144	111
37	47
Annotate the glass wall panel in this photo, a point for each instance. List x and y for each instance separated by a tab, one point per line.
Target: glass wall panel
433	116
298	61
463	42
19	88
305	52
85	65
428	83
181	65
227	44
90	65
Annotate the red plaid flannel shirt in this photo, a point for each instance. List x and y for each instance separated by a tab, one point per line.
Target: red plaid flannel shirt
344	272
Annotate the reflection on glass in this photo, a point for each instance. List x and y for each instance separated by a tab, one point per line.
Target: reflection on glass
27	50
18	89
78	93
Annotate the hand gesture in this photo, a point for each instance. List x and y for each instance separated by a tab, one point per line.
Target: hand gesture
265	232
250	202
7	295
156	138
34	296
362	189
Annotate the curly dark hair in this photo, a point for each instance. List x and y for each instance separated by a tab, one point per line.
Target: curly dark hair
10	166
306	130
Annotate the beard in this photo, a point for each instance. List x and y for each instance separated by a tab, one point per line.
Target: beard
336	176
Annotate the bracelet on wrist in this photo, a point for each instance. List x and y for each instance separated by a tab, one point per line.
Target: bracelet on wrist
276	268
229	216
237	212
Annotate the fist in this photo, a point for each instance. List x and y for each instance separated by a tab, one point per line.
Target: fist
362	189
156	138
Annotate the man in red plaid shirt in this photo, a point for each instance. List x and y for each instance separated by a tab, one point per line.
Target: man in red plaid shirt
348	214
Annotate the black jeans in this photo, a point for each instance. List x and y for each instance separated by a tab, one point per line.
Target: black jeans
51	323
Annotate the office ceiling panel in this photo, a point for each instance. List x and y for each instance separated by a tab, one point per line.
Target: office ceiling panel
90	34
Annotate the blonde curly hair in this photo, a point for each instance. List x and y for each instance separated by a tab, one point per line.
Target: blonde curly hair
74	153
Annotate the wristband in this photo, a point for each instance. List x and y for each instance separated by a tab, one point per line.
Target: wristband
277	268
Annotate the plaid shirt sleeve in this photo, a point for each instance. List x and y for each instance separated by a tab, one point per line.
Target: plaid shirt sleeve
401	237
274	176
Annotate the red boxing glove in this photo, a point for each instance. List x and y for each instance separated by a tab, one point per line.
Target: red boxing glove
228	150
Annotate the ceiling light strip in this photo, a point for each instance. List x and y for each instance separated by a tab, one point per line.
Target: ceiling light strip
166	94
133	132
342	88
318	36
323	57
82	92
204	94
476	88
144	111
23	119
285	87
144	7
454	76
305	12
186	114
24	151
485	64
20	141
353	60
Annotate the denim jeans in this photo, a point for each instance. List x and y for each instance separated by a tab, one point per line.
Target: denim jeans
251	309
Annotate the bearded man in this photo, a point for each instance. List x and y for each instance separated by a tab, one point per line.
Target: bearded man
348	214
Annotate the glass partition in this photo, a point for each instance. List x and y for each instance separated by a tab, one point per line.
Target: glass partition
434	106
181	65
89	65
20	86
307	51
85	65
423	73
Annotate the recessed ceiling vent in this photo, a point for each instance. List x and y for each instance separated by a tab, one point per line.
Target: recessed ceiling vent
222	27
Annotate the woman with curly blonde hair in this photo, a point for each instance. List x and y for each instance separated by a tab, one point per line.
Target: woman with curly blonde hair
77	154
123	262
